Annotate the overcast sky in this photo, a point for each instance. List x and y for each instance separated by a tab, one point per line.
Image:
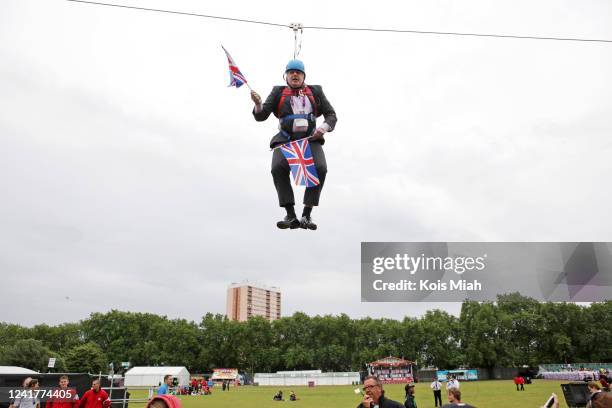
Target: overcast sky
133	178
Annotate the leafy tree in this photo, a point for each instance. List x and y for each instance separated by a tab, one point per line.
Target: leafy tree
513	331
298	357
32	354
86	358
62	337
10	333
440	345
484	337
219	339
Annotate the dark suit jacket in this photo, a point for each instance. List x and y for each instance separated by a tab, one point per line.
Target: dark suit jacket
270	106
385	403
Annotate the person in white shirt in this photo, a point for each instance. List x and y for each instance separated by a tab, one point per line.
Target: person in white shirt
436	387
452	384
29	401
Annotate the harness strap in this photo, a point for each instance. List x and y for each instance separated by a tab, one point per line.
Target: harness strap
309	116
290	92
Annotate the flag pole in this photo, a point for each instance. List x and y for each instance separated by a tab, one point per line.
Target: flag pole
282	144
231	62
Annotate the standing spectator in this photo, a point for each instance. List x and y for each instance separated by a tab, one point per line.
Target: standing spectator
96	397
410	399
406	389
28	402
452	384
64	403
24	384
436	387
521	380
454	399
223	385
598	398
516	382
604	383
165	387
375	395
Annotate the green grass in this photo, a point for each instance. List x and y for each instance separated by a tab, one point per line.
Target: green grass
482	394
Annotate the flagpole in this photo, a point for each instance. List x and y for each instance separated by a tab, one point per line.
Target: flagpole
232	63
282	144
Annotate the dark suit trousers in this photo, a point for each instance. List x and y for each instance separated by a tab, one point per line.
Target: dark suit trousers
437	397
282	180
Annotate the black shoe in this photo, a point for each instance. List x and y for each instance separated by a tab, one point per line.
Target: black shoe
306	223
288	222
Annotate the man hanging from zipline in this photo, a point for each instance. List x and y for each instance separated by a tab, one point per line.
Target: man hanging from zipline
297	106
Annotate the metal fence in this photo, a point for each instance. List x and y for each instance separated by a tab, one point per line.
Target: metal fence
119	394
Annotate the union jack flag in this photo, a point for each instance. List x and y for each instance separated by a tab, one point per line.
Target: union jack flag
236	77
300	160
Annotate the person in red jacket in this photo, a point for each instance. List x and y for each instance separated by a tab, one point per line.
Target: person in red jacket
517	382
522	382
95	398
72	402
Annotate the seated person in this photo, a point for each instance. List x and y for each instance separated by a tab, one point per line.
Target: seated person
278	396
292	396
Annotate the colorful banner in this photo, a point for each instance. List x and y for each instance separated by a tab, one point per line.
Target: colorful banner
461	375
224	374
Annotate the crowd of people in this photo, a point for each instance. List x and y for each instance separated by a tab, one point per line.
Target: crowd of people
373	394
95	397
197	386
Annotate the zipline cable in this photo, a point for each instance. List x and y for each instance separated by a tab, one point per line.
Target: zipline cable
240	20
365	29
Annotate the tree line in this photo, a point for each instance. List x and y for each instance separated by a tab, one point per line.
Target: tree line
513	331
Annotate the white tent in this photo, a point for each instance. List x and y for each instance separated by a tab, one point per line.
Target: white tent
152	376
16	370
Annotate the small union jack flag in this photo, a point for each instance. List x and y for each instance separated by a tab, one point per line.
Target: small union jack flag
236	77
300	160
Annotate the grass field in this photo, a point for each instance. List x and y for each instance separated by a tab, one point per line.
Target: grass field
482	394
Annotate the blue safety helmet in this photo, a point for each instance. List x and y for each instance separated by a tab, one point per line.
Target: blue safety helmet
295	65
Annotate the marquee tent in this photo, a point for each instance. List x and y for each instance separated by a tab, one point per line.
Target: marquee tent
152	376
15	370
392	370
